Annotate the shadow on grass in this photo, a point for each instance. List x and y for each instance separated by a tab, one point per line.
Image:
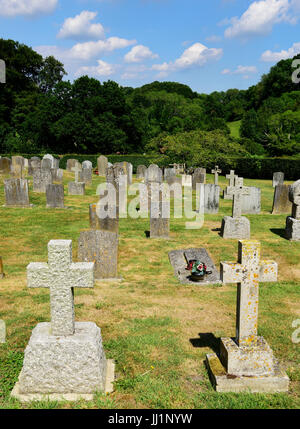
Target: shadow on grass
206	340
147	233
279	231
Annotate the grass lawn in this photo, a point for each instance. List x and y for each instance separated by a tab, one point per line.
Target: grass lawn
156	330
234	128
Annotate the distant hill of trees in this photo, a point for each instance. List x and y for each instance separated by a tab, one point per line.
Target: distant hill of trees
39	111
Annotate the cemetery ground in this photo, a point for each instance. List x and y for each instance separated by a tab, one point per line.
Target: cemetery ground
157	330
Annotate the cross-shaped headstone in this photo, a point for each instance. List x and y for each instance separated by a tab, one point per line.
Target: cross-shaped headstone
216	172
248	272
231	177
60	275
77	170
238	193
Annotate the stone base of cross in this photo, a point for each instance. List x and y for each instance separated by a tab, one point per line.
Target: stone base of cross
246	362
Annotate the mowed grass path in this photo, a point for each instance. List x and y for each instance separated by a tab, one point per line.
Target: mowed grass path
157	330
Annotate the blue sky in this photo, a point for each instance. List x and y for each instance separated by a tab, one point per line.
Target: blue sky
209	45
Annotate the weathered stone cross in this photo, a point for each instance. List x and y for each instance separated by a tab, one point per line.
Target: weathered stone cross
248	272
231	177
238	193
76	170
216	172
60	275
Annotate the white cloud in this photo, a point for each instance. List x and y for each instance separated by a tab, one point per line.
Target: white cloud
195	55
259	18
11	8
102	69
88	50
269	56
80	27
242	70
139	53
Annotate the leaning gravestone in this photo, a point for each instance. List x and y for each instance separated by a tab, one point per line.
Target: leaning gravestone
100	247
5	165
16	193
251	202
55	196
278	178
281	202
41	178
292	229
102	165
247	363
180	258
64	359
236	226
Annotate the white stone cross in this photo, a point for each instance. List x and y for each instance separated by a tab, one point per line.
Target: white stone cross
60	275
238	193
231	177
216	172
76	170
248	272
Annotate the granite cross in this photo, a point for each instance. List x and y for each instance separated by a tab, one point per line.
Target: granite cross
248	272
216	172
76	170
238	193
231	177
60	275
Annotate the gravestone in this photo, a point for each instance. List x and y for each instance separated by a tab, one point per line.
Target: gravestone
278	178
17	162
179	260
18	171
5	165
86	175
102	165
216	172
211	198
129	172
108	223
57	175
247	363
33	164
100	247
141	172
169	172
236	226
292	229
187	180
71	163
16	193
199	176
2	332
54	163
159	212
281	202
64	359
87	164
41	178
46	164
251	202
153	174
76	188
55	196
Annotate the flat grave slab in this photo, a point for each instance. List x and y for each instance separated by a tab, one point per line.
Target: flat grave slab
179	260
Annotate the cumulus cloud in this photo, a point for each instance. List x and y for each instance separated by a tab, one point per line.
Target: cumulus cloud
259	18
195	55
269	56
102	69
80	27
29	8
138	54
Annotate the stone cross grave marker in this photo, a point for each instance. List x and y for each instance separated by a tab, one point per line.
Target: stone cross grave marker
216	172
238	193
76	170
231	177
248	272
60	275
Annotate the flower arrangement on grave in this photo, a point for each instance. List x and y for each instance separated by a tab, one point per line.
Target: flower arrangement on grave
198	270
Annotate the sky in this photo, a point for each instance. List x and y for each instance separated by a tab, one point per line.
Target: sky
209	45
